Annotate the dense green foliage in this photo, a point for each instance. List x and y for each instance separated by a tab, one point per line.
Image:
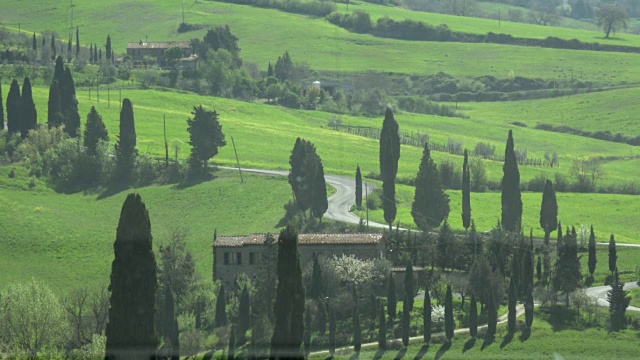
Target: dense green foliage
94	132
618	301
132	314
205	137
431	204
567	272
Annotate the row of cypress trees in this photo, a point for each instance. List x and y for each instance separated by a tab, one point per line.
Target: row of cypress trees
21	110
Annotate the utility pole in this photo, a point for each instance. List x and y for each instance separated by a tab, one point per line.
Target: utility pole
499	18
166	144
366	202
72	18
237	160
183	11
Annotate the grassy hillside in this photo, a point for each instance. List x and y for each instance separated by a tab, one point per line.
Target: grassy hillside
615	214
265	34
614	110
67	240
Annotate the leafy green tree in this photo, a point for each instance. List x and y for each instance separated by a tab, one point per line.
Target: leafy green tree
512	305
473	318
431	204
426	316
358	186
221	37
445	246
28	113
94	132
306	178
126	145
592	253
392	301
357	331
132	312
32	318
173	54
449	322
389	157
511	196
613	254
611	19
205	136
244	315
568	275
289	305
284	67
382	329
221	308
108	47
13	108
618	302
466	192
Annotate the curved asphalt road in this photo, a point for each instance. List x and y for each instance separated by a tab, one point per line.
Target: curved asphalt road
600	293
341	202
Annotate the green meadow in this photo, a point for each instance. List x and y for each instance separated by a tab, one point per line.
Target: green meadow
323	46
612	110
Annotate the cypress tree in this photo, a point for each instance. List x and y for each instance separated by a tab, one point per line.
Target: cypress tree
567	271
316	280
406	323
307	332
58	71
54	115
126	145
221	308
391	299
548	211
1	110
511	196
69	105
108	47
132	313
95	53
408	287
91	53
559	240
94	132
466	192
473	318
77	41
244	316
539	269
319	204
53	47
13	108
270	70
99	55
492	315
69	47
528	307
34	44
231	354
613	255
171	333
426	317
357	331
618	302
358	188
512	306
528	265
289	305
332	332
28	113
382	330
431	204
389	157
322	318
592	252
449	323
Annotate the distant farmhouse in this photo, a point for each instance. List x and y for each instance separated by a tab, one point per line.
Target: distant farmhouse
139	50
234	255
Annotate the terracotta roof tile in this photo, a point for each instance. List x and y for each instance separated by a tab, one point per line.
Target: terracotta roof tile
303	239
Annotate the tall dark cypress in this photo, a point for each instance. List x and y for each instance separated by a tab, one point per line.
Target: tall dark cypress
358	188
539	269
613	254
316	290
592	252
231	353
391	299
126	144
171	333
69	47
270	70
559	239
492	315
53	47
527	263
382	329
289	305
28	113
389	157
548	211
405	321
69	105
221	308
77	41
54	115
244	315
408	287
95	53
466	192
473	317
512	305
430	203
58	71
34	45
319	201
449	322
13	108
426	316
1	110
132	313
91	53
108	47
357	331
511	196
528	307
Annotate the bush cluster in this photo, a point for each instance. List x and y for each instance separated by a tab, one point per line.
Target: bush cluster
308	7
601	135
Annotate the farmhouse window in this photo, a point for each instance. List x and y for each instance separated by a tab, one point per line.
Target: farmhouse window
239	256
226	258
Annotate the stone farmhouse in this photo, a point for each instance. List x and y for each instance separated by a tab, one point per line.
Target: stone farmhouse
234	255
139	50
